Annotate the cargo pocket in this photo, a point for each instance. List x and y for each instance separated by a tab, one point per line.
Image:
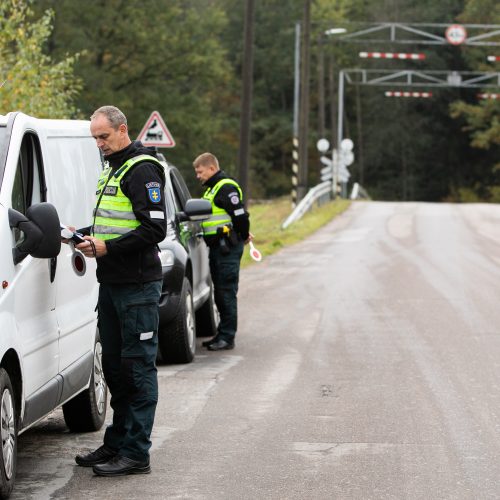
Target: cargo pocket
129	378
140	331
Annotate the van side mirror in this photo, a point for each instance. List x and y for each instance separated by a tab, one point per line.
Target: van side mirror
41	229
195	209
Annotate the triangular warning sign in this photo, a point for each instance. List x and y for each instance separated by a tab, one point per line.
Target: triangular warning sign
155	133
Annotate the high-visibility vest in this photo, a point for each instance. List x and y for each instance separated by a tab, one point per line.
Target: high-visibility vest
219	217
113	214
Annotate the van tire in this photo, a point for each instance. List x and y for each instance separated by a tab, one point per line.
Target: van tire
177	338
86	412
8	419
207	317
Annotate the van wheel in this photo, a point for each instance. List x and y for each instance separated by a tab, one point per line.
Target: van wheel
86	411
8	419
207	317
177	339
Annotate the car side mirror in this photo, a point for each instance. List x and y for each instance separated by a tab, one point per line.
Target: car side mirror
41	229
195	209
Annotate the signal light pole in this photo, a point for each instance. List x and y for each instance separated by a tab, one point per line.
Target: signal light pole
304	103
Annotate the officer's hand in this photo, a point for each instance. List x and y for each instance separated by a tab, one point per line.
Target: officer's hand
92	247
249	239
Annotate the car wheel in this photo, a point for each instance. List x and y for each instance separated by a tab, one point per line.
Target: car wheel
207	317
86	411
177	338
8	420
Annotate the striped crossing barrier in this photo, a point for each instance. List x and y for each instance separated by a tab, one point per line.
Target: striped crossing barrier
391	55
392	93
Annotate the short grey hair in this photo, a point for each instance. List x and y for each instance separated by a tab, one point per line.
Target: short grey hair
113	114
206	159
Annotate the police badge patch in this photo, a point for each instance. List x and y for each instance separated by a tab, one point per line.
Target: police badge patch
154	194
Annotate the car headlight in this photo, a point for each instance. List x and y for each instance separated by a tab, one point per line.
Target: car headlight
166	258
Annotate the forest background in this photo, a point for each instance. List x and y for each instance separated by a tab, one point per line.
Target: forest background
183	58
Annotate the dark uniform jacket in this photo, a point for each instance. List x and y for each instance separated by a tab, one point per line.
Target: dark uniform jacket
133	257
228	198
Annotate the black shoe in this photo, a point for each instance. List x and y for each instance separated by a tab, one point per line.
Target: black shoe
121	466
99	456
221	345
206	343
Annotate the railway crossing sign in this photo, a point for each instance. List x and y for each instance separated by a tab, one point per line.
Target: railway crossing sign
155	132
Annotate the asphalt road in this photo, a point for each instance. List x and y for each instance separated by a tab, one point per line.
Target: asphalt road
367	366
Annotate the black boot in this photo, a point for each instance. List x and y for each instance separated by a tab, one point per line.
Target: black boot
100	456
206	343
121	466
220	345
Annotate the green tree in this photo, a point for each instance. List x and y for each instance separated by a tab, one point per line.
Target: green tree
184	59
30	80
414	149
482	118
145	55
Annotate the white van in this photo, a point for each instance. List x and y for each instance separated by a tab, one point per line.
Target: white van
50	354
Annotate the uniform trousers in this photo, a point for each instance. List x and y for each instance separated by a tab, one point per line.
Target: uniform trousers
225	273
128	327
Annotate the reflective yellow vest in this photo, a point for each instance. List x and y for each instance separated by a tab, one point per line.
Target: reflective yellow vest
219	217
113	215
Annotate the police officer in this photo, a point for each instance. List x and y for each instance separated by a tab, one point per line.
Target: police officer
128	222
225	233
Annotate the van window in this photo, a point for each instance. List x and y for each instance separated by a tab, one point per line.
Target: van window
27	188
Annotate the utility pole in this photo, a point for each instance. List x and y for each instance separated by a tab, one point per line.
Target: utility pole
246	101
304	102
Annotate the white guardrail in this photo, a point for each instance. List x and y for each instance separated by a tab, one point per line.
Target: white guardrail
314	194
307	202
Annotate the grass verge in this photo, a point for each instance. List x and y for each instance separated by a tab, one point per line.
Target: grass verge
266	219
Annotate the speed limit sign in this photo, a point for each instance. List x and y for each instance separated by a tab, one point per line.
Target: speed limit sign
456	34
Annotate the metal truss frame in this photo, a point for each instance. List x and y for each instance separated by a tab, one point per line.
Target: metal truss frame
425	34
421	78
410	78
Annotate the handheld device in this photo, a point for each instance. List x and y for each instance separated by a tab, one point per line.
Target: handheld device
70	235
